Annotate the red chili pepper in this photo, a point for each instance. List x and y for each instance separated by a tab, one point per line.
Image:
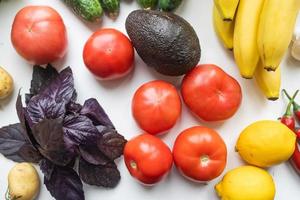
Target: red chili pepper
288	118
295	160
297	132
296	106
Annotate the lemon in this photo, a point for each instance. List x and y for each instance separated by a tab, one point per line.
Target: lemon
266	143
246	183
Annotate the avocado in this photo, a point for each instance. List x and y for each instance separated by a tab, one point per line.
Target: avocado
164	41
89	10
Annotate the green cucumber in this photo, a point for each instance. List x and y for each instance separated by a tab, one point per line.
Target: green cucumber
89	10
148	4
168	5
112	7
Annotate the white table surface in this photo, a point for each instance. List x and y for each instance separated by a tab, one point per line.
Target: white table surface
116	96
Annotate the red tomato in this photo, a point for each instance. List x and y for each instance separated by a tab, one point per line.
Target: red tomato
200	153
39	35
210	93
147	158
108	54
156	106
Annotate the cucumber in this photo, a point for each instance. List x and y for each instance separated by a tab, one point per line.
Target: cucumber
148	4
89	10
111	7
168	5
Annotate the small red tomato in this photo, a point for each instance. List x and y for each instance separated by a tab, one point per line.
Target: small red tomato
39	35
147	158
156	106
200	153
210	93
108	54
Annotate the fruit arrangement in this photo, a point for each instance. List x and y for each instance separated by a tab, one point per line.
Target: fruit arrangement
74	143
259	33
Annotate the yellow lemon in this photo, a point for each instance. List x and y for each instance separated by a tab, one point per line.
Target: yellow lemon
246	183
266	143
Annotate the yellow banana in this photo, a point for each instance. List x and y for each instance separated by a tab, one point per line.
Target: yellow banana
245	36
268	81
227	8
275	30
224	29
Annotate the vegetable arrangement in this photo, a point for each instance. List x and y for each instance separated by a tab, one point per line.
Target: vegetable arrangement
56	132
259	39
74	143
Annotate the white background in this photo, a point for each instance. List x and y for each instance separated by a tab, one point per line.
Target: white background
115	97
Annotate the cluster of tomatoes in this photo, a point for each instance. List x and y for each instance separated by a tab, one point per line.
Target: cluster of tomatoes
108	53
199	153
209	92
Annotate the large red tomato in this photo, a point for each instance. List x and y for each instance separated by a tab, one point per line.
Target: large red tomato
39	35
210	93
147	158
200	153
156	106
108	54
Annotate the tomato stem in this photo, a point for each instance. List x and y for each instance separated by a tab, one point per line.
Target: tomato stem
204	159
133	165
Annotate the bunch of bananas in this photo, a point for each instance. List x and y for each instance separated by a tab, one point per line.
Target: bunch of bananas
259	33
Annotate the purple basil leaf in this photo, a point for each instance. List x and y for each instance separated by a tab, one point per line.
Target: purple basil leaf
112	144
73	107
64	184
49	134
20	110
51	102
44	107
92	154
100	175
78	130
93	110
41	78
21	115
61	89
14	145
47	168
74	96
28	97
30	154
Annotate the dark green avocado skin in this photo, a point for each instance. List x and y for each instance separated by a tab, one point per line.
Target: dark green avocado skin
164	41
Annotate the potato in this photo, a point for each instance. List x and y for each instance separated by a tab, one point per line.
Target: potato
6	84
23	182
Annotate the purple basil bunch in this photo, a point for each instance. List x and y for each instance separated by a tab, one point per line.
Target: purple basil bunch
70	142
